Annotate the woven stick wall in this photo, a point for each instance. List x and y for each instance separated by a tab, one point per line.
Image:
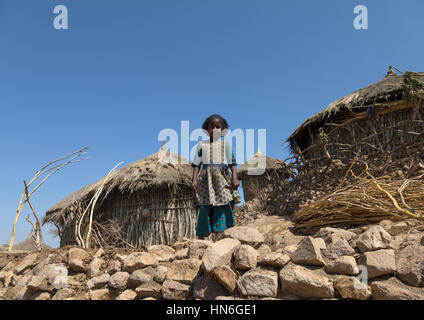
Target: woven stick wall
154	217
395	146
389	127
264	183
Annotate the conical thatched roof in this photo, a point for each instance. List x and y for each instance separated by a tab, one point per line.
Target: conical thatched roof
388	89
271	164
161	169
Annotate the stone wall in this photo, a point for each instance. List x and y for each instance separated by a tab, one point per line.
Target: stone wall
238	265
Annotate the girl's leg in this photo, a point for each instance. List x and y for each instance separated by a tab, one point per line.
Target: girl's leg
203	228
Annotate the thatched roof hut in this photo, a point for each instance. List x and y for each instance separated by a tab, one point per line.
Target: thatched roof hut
147	202
375	131
383	113
257	181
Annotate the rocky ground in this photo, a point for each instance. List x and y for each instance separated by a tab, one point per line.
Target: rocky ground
262	260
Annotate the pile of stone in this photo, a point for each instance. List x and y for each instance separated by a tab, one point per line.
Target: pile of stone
382	261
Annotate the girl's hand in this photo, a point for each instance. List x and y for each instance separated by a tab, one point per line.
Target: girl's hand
235	183
194	185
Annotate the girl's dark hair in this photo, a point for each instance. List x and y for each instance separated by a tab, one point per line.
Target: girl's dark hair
209	119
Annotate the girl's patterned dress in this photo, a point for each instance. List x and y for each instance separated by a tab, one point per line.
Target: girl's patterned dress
215	197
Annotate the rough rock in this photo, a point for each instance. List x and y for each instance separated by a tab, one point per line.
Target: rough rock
160	274
41	296
53	276
197	248
26	263
398	228
94	267
219	253
114	266
139	260
163	252
343	265
224	298
273	259
308	252
184	270
121	257
174	290
24	293
6	278
245	235
181	244
258	282
286	239
41	265
77	253
320	243
410	265
181	254
338	249
289	250
77	265
384	291
263	249
127	295
149	289
100	294
98	282
386	224
21	282
373	239
352	288
379	263
327	234
401	241
226	277
138	278
99	253
119	281
207	288
245	257
63	294
305	283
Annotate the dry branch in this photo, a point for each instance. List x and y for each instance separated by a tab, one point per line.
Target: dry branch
44	170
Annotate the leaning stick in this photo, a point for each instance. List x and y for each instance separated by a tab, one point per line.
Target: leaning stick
96	196
395	203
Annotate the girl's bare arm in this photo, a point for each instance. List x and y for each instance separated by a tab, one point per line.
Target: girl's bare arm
194	183
236	182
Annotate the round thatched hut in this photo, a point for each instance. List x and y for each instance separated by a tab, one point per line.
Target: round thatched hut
382	117
375	131
256	181
147	202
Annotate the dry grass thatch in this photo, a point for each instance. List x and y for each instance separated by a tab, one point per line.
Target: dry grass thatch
140	175
250	167
147	202
390	88
365	200
257	182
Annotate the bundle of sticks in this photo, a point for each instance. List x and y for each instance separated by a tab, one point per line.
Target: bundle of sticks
365	199
109	234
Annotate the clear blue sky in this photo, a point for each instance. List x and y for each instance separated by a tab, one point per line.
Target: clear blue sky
124	70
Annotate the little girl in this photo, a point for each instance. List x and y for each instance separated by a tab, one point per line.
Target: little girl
215	188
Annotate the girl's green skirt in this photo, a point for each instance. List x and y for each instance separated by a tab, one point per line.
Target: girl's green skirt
215	219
